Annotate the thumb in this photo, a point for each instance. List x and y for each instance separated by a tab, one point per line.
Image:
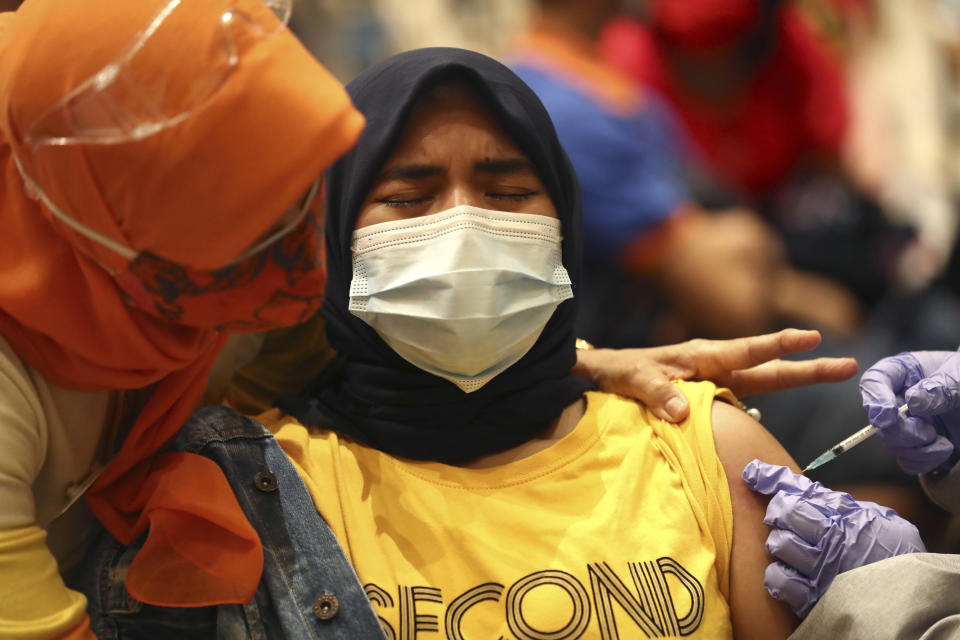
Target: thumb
663	398
769	479
936	394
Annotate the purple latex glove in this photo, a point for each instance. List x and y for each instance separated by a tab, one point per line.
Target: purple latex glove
819	533
929	382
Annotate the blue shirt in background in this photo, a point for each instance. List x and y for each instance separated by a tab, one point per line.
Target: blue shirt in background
627	164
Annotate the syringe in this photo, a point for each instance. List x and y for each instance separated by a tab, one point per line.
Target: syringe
847	444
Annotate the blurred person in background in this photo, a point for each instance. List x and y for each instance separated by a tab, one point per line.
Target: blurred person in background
904	142
796	109
901	148
757	89
722	269
721	273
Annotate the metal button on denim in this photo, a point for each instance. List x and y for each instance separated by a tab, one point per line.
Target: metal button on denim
265	481
326	606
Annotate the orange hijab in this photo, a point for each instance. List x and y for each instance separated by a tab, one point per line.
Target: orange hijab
196	193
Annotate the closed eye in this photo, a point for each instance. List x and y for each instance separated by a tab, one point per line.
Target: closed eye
400	203
514	197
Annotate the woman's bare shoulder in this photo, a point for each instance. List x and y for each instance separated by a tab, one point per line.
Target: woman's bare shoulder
740	439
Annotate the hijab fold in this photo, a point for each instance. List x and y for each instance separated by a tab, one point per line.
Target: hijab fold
375	395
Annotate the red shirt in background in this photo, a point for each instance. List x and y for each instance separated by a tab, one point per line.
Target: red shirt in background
788	107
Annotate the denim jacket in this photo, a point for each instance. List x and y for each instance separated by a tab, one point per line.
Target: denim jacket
308	588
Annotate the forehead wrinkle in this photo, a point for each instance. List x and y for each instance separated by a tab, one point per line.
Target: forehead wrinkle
412	171
438	120
504	166
443	135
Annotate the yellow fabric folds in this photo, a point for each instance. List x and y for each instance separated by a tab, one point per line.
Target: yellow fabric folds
36	604
624	527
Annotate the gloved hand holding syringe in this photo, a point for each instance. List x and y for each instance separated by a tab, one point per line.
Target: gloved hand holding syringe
927	440
848	443
818	533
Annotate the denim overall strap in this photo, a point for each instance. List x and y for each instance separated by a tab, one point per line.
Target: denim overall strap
308	588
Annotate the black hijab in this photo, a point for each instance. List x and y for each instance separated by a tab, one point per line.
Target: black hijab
372	394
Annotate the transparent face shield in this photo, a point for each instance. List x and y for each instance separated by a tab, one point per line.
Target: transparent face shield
129	99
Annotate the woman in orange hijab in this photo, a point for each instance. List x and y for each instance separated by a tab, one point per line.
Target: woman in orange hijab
159	165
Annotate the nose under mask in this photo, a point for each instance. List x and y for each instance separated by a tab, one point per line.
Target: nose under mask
462	294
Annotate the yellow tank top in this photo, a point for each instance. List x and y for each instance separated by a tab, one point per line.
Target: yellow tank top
622	529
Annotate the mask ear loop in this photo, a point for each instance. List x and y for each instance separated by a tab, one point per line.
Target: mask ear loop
307	200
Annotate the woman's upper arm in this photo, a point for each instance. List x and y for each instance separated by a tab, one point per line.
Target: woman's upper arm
23	441
34	602
740	439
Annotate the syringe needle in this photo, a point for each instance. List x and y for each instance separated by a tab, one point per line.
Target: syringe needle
847	443
823	458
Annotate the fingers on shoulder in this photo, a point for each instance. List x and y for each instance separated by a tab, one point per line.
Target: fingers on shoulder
663	397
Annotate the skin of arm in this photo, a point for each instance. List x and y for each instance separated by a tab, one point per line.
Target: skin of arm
739	439
719	273
727	276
